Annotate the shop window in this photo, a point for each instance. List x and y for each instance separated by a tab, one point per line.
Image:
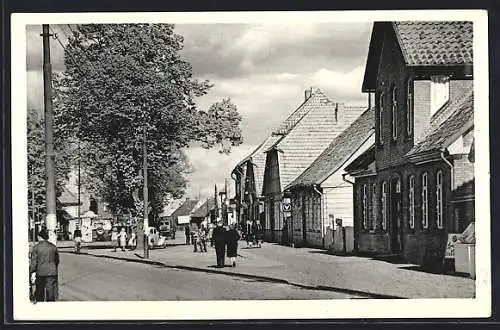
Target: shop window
394	105
365	206
411	202
425	201
439	199
409	107
384	205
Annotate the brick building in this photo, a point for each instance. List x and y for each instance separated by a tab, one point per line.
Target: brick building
303	136
416	184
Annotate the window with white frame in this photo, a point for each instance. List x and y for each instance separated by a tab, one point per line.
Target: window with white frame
409	107
381	118
374	206
394	105
365	207
439	199
425	202
411	202
384	205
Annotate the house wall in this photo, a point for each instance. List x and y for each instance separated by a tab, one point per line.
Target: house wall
307	221
394	72
417	242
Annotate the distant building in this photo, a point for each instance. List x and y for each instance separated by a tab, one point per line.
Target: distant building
182	215
416	184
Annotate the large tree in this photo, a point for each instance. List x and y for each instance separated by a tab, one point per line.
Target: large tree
64	159
122	80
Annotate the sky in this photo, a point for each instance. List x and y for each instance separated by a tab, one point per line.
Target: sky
263	68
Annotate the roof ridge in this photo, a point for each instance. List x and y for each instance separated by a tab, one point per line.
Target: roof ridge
284	126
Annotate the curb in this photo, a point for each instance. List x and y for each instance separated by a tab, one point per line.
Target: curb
362	294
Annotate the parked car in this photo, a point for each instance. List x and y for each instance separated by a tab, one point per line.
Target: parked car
155	240
166	229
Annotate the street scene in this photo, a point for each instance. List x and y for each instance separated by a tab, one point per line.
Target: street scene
185	162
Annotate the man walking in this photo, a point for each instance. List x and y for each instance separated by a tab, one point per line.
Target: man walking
43	268
77	236
187	232
219	237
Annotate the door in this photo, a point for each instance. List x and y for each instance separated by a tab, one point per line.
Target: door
396	217
304	222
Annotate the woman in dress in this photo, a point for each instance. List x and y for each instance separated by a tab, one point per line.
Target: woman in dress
232	237
114	238
123	239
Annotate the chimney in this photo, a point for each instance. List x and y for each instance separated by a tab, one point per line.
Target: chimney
308	93
339	112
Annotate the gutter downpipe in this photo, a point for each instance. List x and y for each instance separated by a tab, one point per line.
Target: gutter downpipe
452	171
344	179
315	188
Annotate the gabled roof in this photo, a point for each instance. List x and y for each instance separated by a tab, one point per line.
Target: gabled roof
443	135
310	137
204	209
185	208
439	43
339	151
435	43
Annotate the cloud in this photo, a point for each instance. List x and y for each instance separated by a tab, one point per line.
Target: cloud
210	168
265	100
239	50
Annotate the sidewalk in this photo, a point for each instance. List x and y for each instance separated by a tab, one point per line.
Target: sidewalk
311	268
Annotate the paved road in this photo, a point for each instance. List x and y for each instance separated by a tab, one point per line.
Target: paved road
86	278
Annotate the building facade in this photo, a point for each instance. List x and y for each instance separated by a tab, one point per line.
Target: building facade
406	187
321	195
303	136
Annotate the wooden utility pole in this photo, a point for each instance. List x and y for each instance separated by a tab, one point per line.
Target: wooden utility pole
50	194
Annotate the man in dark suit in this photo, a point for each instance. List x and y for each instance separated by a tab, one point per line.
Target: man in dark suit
219	237
43	265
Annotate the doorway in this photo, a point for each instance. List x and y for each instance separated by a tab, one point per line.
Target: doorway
396	216
271	218
304	222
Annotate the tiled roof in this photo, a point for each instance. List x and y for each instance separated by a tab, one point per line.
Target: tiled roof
363	161
317	98
258	159
310	137
339	151
185	208
442	135
435	43
204	208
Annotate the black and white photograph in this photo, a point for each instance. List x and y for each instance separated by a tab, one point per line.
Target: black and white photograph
239	165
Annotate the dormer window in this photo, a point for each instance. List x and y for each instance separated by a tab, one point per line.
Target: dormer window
381	118
394	104
440	92
409	107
